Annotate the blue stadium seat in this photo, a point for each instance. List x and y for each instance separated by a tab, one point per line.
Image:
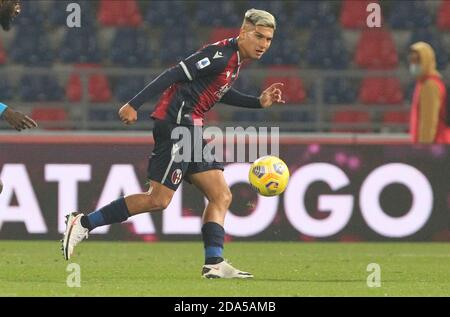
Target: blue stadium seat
314	14
295	116
40	88
246	84
221	14
326	49
434	39
283	50
130	48
409	14
102	115
31	47
340	91
58	14
277	8
127	87
167	14
172	51
31	14
80	46
6	91
249	116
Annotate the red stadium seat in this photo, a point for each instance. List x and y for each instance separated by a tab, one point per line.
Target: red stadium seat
212	117
74	90
2	54
381	91
218	34
396	117
376	50
443	15
99	89
293	89
49	114
349	117
354	13
119	13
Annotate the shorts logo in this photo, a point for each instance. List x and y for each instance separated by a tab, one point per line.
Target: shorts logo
176	176
202	63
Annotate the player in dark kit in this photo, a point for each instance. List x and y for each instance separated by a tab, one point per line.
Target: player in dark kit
9	9
190	89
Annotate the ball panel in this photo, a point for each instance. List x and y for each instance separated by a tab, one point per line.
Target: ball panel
269	175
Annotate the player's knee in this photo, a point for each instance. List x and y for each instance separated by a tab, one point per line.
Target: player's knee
157	202
162	202
225	198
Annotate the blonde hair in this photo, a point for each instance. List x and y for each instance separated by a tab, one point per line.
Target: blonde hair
260	17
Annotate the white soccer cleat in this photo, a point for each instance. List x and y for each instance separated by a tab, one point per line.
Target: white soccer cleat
74	234
223	270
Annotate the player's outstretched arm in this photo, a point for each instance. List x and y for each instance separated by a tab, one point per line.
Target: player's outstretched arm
271	95
236	98
18	120
128	112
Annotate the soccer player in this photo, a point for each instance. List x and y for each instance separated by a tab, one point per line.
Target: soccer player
9	9
189	89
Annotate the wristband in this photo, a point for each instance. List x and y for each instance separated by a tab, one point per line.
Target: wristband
3	107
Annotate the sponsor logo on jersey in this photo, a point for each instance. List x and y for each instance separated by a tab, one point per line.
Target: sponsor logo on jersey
218	55
203	63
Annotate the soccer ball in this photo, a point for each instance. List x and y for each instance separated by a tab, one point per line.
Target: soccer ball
269	176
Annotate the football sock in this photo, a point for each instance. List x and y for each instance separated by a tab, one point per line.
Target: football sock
213	238
116	211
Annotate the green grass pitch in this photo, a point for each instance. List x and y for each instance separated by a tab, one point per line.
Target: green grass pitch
173	269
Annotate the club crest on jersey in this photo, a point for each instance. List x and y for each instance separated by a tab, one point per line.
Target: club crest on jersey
203	63
176	176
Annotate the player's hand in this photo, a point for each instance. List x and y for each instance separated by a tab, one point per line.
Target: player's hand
271	95
128	114
18	120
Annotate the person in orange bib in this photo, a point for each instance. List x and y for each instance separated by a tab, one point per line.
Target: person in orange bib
429	106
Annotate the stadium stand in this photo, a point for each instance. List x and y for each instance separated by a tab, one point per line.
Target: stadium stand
2	54
353	14
80	46
294	91
119	13
326	50
381	91
376	50
346	118
322	50
443	15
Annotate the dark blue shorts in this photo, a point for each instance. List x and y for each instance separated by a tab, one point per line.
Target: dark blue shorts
164	168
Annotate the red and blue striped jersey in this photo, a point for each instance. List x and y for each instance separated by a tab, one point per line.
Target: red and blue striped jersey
210	73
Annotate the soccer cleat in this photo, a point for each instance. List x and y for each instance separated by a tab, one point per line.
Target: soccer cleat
223	270
74	234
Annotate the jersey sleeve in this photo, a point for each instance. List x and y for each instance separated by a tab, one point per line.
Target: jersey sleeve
162	82
208	61
238	99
